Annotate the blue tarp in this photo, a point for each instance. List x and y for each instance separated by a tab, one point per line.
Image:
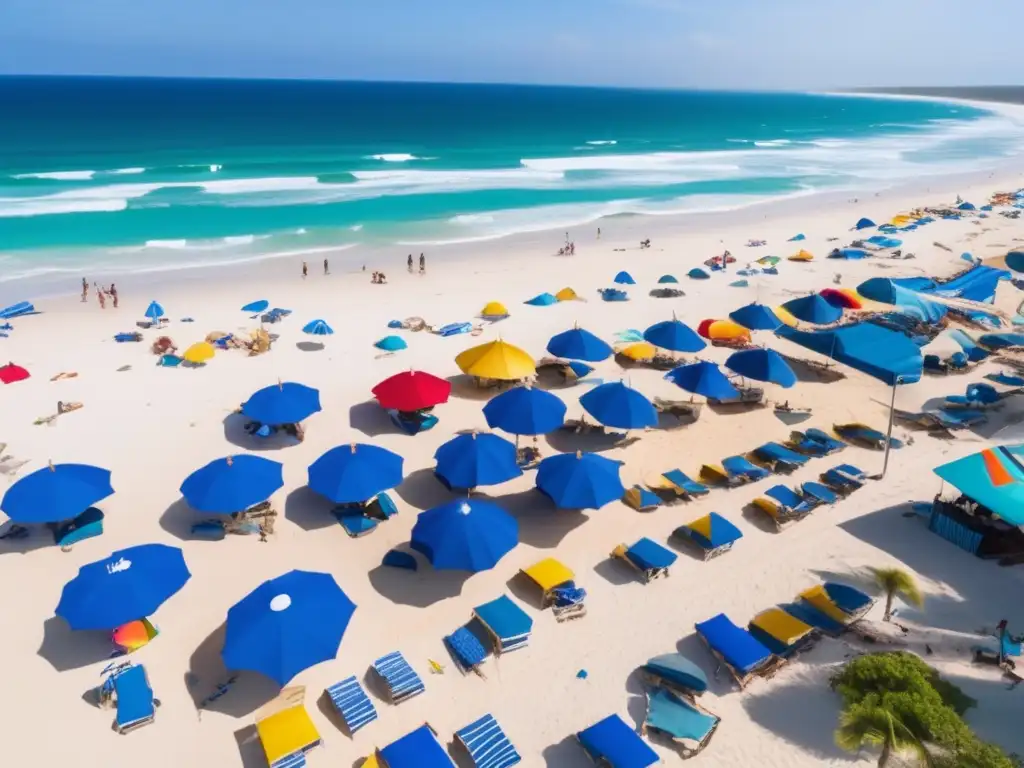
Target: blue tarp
871	349
976	284
741	650
888	291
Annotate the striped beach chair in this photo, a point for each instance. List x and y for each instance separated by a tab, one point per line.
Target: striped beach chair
487	744
352	703
401	679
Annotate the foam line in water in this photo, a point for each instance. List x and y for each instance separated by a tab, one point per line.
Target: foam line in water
57	175
396	157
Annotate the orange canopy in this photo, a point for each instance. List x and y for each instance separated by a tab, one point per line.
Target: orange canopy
723	330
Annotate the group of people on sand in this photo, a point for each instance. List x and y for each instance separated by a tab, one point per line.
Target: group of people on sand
423	264
102	293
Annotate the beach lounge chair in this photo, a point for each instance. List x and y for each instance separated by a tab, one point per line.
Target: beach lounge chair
687	726
641	499
712	534
466	650
418	749
864	435
735	648
128	686
784	505
412	423
810	615
611	743
354	522
508	625
683	485
716	475
741	468
745	395
839	602
781	633
285	729
779	458
676	672
681	409
399	678
558	588
942	419
827	443
487	744
844	478
353	705
85	526
820	493
647	557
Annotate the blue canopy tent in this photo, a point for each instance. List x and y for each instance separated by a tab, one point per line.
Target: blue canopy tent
474	459
703	378
465	535
391	344
756	317
355	473
864	223
965	206
616	405
698	274
675	336
580	480
624	278
886	291
525	411
762	365
232	484
813	309
542	300
579	344
282	403
993	477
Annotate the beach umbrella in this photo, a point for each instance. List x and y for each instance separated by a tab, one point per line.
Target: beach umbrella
703	379
465	535
674	335
232	484
542	300
616	405
667	280
355	473
198	353
56	492
813	309
11	373
580	480
391	344
127	586
802	256
579	344
844	298
698	274
494	310
638	351
624	278
762	365
496	360
410	391
864	223
723	330
566	294
286	625
282	403
1015	261
475	459
154	311
256	306
525	411
756	317
797	238
317	328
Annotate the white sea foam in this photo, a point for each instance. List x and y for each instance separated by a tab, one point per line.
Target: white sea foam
607	142
397	157
175	244
41	206
126	171
57	175
354	228
773	143
240	239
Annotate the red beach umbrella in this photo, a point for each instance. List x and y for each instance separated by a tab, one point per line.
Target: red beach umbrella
11	373
412	391
702	329
839	298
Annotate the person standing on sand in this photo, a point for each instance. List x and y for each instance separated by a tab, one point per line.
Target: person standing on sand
102	297
305	270
598	233
113	294
85	290
327	267
408	263
423	264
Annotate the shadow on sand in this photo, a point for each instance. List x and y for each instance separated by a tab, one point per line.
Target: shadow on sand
206	671
541	523
234	433
308	510
370	419
421	489
179	518
65	649
419	589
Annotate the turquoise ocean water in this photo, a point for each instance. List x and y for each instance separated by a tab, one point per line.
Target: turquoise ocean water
129	175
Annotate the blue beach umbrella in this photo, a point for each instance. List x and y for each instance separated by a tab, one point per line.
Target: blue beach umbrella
317	328
674	335
762	365
56	492
797	238
475	459
864	223
579	344
580	480
616	405
282	403
698	274
355	473
286	625
667	280
542	300
525	411
813	309
391	344
154	311
127	586
465	535
624	278
232	484
1015	261
756	317
256	306
703	379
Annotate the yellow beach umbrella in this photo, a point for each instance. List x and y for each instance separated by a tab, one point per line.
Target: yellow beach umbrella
641	350
566	294
198	353
496	360
494	309
802	256
784	315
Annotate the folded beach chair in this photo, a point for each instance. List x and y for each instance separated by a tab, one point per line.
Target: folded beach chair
688	727
681	409
781	633
611	743
136	706
641	499
713	534
716	475
865	435
820	493
1005	379
353	705
779	458
739	651
676	672
466	650
648	557
285	729
558	588
508	625
400	679
487	744
418	749
740	467
784	505
844	478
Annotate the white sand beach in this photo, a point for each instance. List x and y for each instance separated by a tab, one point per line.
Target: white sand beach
152	426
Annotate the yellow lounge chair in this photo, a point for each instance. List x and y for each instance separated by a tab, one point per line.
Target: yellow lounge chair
555	580
783	634
818	598
285	728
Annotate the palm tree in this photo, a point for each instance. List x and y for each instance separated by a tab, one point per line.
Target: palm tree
870	724
894	581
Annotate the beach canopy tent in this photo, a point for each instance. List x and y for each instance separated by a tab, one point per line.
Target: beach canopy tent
638	351
282	403
674	335
723	330
612	743
354	473
525	411
391	344
864	223
465	535
11	373
494	310
1015	261
616	405
579	344
542	300
883	354
698	274
580	480
317	328
886	291
256	306
756	317
667	280
797	238
286	625
129	585
965	206
412	391
624	278
496	360
813	309
232	484
703	378
473	459
56	492
993	477
154	311
566	294
762	365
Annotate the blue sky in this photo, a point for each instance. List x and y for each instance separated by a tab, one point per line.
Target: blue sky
657	43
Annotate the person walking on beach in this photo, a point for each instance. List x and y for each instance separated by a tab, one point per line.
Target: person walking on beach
101	295
305	270
113	294
85	290
327	267
408	263
423	264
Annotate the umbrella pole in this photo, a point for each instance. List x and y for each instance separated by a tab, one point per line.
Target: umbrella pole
888	434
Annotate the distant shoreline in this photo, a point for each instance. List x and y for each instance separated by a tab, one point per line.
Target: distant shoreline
997	94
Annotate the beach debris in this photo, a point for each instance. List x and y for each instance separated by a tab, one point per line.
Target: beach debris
62	408
64	375
436	668
582	675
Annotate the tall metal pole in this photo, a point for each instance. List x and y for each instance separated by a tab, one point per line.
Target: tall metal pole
888	434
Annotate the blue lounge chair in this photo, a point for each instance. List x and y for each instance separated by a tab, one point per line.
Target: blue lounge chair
640	499
686	725
683	483
844	478
712	533
741	468
354	522
648	557
353	705
865	435
85	526
418	749
466	650
508	625
487	744
784	505
829	443
400	679
782	633
741	653
819	492
135	703
850	600
808	614
382	507
412	423
779	457
675	671
612	743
